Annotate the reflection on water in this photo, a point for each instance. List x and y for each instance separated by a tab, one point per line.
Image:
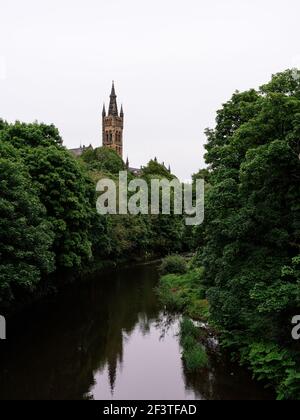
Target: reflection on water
108	338
150	368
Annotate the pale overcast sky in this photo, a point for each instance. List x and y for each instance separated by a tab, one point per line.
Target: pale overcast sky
174	63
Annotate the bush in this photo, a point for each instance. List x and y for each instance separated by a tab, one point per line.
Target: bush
195	358
194	354
185	293
174	264
274	365
188	342
188	329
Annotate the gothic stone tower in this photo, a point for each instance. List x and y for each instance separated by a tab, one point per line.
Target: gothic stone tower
112	125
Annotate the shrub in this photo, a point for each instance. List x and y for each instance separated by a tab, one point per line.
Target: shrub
188	329
194	354
275	366
185	293
174	264
188	342
195	358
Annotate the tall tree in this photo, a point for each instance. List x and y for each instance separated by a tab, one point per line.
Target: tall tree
26	237
63	187
252	226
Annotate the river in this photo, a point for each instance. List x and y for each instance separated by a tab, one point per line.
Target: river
109	338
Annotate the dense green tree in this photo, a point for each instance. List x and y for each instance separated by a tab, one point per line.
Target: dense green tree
202	174
136	236
252	228
69	197
167	234
103	159
63	188
26	236
156	169
59	227
22	135
168	231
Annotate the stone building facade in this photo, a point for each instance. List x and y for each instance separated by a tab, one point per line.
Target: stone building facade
113	125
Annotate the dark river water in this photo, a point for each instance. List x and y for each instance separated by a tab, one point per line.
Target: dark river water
109	338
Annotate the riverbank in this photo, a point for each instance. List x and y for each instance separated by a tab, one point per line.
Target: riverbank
185	293
181	291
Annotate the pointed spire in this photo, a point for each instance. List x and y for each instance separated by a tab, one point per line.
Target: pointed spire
104	111
122	112
113	92
169	169
127	163
113	107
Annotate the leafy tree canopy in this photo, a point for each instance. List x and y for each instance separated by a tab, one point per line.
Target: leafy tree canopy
26	237
154	168
252	226
103	159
